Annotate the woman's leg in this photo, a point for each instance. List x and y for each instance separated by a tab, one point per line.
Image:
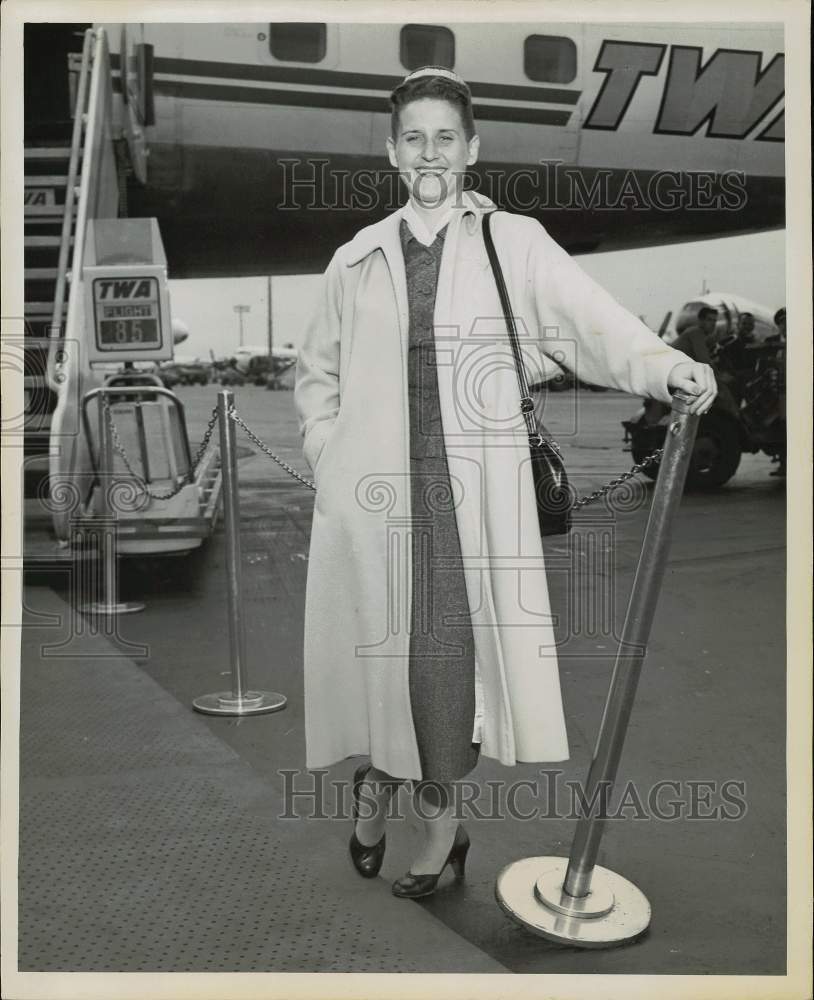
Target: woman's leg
375	793
434	802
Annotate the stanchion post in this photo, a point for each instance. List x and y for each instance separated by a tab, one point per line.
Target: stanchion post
579	902
231	514
632	650
238	701
108	542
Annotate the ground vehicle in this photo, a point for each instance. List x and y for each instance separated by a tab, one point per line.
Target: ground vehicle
281	373
258	368
170	375
194	373
228	374
175	373
752	418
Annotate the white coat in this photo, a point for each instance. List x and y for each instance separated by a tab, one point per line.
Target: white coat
351	399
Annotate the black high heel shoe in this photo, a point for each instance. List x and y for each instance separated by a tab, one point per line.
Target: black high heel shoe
411	886
367	860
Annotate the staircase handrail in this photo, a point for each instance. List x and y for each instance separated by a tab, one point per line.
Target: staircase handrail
70	196
90	84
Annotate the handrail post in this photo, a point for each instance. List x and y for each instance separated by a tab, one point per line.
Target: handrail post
238	701
581	903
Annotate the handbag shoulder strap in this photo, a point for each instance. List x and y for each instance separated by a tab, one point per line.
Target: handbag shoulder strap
526	402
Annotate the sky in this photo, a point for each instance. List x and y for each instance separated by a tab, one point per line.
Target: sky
648	282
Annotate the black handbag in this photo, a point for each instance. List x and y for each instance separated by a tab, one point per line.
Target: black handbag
551	487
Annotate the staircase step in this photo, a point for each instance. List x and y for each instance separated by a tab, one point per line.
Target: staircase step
45	180
43	242
48	152
55	211
41	273
42	308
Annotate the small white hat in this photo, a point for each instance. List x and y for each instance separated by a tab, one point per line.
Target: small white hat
435	71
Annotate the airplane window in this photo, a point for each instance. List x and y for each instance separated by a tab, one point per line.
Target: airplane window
426	45
550	59
296	41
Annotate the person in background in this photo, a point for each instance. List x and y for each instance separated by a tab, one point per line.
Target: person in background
735	358
780	323
697	339
779	338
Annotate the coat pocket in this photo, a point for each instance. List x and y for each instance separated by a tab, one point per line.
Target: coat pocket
316	442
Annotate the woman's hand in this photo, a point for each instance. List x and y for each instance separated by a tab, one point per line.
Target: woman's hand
696	379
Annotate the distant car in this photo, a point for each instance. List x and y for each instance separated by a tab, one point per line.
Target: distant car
184	373
231	376
170	375
194	373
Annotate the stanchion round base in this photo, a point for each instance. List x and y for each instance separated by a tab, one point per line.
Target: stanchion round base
252	703
103	608
530	892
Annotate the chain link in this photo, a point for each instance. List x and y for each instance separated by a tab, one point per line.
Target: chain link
141	482
199	454
580	502
603	491
267	451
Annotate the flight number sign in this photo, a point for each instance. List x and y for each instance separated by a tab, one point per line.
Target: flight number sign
127	313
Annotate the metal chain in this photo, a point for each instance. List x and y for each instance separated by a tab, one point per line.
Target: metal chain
213	419
142	483
603	491
266	450
582	501
578	503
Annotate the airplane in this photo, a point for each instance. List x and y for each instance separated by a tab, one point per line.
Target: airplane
259	147
282	356
284	352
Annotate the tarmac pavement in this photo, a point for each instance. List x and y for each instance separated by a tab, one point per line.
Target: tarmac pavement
709	717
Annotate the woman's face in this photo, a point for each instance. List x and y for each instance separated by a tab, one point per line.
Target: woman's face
431	151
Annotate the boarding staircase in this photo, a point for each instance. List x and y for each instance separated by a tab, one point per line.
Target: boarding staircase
76	417
67	181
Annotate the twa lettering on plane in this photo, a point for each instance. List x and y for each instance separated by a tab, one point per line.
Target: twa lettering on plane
730	93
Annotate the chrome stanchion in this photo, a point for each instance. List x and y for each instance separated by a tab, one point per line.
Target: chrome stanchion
238	701
574	900
110	604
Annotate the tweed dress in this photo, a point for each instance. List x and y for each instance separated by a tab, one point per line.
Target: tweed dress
442	646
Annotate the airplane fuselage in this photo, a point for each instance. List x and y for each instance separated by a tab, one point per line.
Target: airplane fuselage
266	149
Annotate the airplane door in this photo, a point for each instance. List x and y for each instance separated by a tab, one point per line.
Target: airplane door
45	75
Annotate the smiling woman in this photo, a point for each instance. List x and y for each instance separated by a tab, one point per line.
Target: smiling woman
423	648
433	138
